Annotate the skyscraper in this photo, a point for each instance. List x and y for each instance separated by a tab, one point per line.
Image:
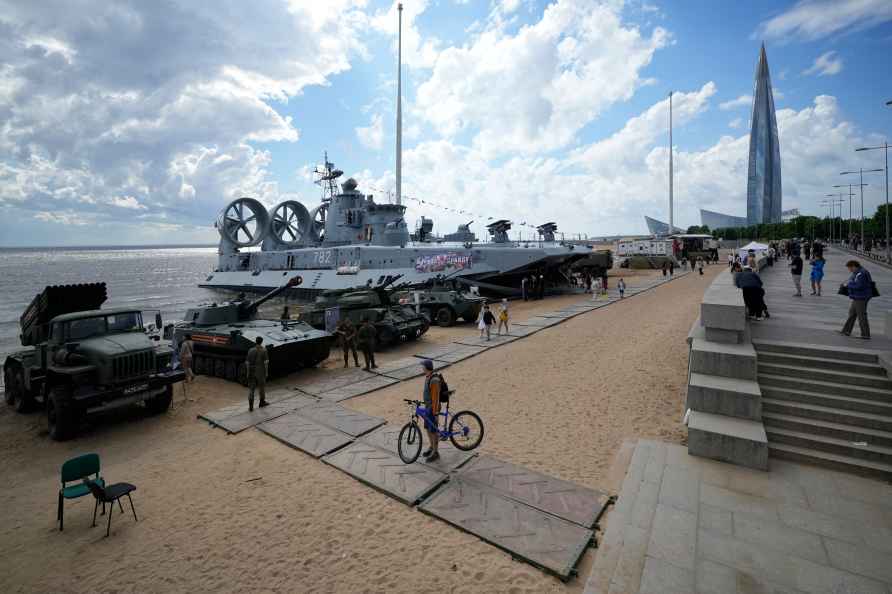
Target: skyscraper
763	187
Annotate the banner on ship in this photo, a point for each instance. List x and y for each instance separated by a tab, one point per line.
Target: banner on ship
441	262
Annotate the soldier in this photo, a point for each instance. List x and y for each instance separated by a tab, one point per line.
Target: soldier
258	363
366	336
347	336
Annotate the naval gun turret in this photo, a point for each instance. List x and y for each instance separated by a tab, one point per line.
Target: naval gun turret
546	231
499	230
222	335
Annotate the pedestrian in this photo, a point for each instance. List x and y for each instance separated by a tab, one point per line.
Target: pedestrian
431	398
588	282
596	289
488	320
771	253
753	293
860	289
817	275
730	259
187	349
541	286
751	259
604	281
346	333
700	264
524	287
665	268
806	249
257	362
503	316
366	337
671	268
621	286
796	271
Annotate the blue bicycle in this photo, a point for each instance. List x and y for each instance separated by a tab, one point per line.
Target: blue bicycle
465	430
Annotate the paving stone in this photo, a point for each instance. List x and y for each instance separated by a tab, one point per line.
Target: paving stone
766	485
715	519
375	382
823	524
337	417
681	488
737	502
822	579
713	578
660	577
645	505
860	559
830	502
627	574
653	472
673	536
769	564
773	534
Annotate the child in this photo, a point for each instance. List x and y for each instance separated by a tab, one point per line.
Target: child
621	285
481	325
488	320
503	316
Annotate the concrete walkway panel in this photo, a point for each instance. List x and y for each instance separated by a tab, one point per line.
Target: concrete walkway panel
305	435
337	417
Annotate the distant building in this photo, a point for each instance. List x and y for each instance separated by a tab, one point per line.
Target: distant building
717	220
789	215
763	188
656	227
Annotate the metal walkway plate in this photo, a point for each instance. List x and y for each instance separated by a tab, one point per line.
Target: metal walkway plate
335	378
401	369
241	406
569	501
386	472
495	340
344	420
520	331
558	315
461	352
539	321
376	382
244	420
436	352
450	456
541	539
305	435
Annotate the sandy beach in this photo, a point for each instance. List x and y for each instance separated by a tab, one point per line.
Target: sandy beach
245	513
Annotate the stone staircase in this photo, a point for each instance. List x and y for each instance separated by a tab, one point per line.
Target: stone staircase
826	406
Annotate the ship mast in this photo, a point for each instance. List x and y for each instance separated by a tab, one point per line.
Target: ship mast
399	110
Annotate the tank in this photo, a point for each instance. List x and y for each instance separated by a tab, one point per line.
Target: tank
443	302
223	334
395	323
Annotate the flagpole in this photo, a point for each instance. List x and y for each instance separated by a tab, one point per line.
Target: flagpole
399	110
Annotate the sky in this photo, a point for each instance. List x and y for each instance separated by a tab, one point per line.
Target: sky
130	122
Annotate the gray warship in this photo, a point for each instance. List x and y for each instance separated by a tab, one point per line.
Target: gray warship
351	240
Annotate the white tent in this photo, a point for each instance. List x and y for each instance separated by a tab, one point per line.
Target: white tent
756	247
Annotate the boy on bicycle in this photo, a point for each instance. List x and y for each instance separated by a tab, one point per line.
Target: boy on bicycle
431	397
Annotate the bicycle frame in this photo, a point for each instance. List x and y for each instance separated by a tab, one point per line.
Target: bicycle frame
420	412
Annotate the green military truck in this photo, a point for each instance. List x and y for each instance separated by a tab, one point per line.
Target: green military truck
84	360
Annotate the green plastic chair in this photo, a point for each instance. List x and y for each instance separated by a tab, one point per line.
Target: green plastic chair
81	469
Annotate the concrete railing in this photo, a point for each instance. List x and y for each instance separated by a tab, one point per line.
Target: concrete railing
723	396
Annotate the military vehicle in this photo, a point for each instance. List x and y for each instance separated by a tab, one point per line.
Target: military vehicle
394	322
443	302
350	240
223	334
85	360
596	264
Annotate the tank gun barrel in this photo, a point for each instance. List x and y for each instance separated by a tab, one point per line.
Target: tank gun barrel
293	282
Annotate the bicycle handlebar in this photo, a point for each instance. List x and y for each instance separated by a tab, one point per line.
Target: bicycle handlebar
407	401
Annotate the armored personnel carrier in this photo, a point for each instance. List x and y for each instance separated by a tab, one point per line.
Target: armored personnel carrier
394	322
224	333
443	302
85	360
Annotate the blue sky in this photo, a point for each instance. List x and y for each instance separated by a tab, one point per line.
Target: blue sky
138	124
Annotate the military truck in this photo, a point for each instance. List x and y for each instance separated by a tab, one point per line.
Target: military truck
394	322
85	360
443	302
223	334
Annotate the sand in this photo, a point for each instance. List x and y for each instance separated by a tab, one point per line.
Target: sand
246	513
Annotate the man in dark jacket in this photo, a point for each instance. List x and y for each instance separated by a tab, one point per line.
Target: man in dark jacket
751	285
346	333
796	271
860	290
366	337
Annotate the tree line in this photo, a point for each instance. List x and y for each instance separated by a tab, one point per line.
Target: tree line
804	226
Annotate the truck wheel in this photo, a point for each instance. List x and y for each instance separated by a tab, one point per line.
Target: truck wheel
11	387
160	403
445	317
18	396
220	368
61	414
386	337
200	366
231	371
243	373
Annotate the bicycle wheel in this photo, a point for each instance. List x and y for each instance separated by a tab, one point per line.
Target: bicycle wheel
466	430
409	442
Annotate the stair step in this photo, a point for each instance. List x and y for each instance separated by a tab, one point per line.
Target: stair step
822	363
838	377
832	400
842	447
838	353
828	460
830	414
844	431
814	385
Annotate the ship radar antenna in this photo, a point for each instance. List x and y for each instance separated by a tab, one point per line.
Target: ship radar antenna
326	178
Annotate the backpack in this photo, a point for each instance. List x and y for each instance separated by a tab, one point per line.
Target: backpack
444	387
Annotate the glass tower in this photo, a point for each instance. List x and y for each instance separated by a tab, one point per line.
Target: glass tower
763	187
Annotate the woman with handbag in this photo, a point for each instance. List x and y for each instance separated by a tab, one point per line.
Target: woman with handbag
817	274
860	288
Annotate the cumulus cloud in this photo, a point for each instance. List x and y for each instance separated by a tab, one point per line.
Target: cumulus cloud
126	106
742	101
736	123
814	19
372	136
417	52
827	64
534	89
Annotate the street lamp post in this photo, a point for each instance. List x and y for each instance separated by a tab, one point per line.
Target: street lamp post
849	186
861	173
885	147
